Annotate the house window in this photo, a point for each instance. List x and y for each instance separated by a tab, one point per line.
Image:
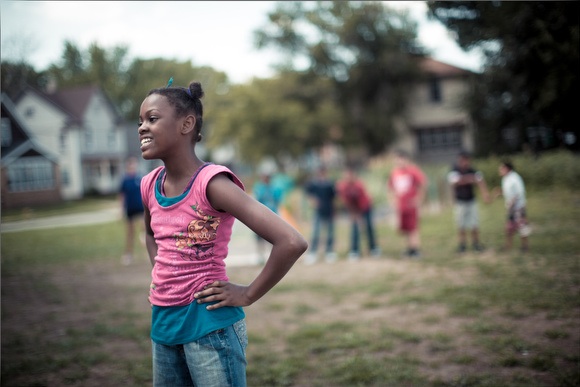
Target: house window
439	139
88	138
6	134
435	95
113	170
65	177
30	174
62	141
112	138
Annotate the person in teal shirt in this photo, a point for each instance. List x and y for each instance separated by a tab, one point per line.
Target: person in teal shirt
269	195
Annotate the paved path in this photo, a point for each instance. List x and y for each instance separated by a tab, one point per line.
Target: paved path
242	246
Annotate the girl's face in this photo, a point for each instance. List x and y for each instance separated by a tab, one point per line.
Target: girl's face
159	128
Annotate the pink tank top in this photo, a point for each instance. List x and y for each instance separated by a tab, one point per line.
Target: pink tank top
192	239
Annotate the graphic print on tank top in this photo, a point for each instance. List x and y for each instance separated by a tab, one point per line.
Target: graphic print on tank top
195	243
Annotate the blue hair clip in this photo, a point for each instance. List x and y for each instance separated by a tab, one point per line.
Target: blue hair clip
170	82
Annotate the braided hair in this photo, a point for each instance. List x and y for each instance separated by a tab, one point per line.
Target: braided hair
185	101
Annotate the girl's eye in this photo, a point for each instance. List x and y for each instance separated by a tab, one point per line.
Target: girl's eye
153	119
139	123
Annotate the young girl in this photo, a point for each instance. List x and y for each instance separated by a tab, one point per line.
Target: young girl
198	330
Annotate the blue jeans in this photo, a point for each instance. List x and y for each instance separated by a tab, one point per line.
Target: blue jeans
216	360
329	223
355	233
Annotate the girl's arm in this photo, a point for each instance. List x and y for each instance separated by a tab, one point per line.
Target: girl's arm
288	244
150	243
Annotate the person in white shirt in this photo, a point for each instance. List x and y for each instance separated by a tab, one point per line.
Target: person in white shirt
514	192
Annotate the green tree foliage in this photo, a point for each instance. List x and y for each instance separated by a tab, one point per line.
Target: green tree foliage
17	75
127	81
365	48
100	66
280	117
146	74
532	61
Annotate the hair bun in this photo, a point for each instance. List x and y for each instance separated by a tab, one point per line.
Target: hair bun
195	90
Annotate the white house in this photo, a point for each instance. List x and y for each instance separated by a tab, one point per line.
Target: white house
29	171
83	127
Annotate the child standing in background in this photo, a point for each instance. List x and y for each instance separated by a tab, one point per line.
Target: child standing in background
269	195
463	179
514	192
322	192
198	329
358	203
406	188
130	196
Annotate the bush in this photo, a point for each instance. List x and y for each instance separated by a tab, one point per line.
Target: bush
555	169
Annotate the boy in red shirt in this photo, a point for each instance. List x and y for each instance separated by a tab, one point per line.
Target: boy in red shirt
407	187
358	203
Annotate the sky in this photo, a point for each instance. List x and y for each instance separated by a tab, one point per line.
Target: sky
207	33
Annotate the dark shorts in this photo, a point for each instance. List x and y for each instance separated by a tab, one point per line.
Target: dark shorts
517	222
133	213
408	219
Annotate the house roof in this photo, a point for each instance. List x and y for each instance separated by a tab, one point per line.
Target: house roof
19	133
434	67
24	144
74	101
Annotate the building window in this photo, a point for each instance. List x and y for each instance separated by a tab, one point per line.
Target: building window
89	139
65	177
439	139
435	95
112	138
6	134
62	141
30	174
113	170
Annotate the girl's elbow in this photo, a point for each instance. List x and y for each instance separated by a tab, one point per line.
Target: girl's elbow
299	245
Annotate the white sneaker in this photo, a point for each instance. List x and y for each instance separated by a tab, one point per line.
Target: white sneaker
353	256
126	259
310	259
330	257
376	253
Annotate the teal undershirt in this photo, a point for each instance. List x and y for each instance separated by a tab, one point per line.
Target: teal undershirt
172	325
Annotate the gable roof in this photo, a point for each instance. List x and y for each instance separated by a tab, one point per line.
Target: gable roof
23	144
440	69
19	133
75	100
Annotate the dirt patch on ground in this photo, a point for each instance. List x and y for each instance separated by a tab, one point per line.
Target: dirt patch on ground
105	304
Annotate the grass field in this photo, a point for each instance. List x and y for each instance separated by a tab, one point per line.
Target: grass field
73	316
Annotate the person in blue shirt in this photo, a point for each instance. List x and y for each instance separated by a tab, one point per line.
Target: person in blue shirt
271	196
130	194
322	192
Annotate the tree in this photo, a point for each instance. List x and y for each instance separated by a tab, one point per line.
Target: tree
532	61
126	81
16	70
17	75
100	66
280	117
366	50
146	74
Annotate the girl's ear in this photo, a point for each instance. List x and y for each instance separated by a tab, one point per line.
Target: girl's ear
188	124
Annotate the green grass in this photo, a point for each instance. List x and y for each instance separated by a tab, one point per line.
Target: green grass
67	207
501	319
